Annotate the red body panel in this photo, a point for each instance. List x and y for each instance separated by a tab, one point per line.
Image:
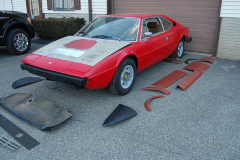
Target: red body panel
170	79
146	53
163	90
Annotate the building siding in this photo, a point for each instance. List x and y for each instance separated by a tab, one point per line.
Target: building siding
230	31
15	5
99	8
230	8
229	42
84	8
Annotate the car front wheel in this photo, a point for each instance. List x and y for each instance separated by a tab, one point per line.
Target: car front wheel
178	53
18	41
124	77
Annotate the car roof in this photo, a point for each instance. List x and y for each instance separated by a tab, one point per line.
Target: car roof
135	15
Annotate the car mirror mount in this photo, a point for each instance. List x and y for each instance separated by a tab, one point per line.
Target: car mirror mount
148	34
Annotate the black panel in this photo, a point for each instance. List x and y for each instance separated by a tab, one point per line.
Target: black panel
25	140
119	114
25	81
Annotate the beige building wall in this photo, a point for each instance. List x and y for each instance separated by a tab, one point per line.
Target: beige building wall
229	39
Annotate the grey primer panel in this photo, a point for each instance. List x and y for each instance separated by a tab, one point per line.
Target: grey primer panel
101	50
27	141
42	113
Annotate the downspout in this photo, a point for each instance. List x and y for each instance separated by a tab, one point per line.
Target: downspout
215	46
90	10
109	6
12	4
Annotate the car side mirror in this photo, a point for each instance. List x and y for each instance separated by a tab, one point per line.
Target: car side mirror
148	34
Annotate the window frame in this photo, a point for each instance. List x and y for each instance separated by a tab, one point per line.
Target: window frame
54	8
155	33
163	25
139	25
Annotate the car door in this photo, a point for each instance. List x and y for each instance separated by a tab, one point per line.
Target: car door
152	47
171	43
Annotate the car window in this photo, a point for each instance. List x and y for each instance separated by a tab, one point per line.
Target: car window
144	29
122	28
154	25
166	24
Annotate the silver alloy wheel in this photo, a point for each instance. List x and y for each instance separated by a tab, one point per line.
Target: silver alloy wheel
127	76
20	42
180	49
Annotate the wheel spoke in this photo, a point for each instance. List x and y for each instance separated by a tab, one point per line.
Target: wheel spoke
127	76
180	49
20	42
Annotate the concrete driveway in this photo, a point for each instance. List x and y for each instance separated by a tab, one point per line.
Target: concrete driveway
200	123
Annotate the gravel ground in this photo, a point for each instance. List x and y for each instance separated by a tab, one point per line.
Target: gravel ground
200	123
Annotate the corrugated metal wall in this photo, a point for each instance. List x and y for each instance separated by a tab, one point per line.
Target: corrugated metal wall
200	16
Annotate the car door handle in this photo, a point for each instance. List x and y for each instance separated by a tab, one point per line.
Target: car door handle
166	38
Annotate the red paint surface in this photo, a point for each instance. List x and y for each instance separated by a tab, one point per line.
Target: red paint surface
170	79
146	104
99	76
78	67
189	80
163	90
206	59
197	66
81	44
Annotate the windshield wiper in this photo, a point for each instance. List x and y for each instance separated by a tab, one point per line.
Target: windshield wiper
86	34
104	36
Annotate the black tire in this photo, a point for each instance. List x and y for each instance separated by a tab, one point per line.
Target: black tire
176	53
115	86
18	41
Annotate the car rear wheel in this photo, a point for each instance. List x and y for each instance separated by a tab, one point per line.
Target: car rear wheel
124	77
178	53
18	41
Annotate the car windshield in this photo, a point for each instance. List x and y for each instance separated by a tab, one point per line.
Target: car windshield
119	28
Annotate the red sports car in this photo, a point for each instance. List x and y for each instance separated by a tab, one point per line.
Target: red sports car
109	51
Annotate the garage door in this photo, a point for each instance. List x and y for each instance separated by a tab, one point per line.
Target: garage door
200	16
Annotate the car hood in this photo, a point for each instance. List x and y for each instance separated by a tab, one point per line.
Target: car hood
81	50
16	13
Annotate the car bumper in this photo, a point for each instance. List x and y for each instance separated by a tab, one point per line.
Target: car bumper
32	33
55	76
189	39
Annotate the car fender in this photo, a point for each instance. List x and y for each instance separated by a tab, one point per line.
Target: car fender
184	32
127	54
14	22
101	74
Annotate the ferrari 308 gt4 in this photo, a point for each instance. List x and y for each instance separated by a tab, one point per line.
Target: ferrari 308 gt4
110	51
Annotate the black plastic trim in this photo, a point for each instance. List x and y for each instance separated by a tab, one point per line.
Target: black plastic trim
189	39
55	76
